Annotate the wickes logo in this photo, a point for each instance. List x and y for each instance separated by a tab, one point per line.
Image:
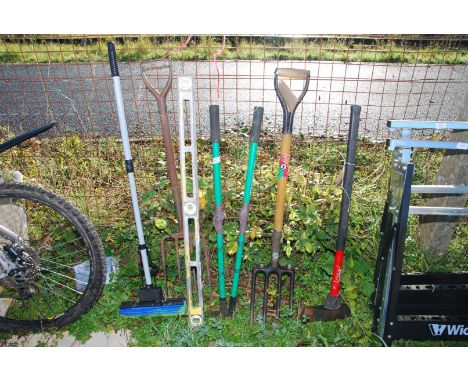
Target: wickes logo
452	330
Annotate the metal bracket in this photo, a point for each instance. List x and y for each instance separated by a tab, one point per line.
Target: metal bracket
190	204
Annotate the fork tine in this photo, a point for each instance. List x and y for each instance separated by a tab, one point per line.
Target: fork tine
278	296
291	289
252	295
265	296
176	244
163	259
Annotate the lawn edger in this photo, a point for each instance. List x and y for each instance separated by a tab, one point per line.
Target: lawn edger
334	308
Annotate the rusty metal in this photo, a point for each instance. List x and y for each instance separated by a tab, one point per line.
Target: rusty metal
151	71
174	238
160	96
62	76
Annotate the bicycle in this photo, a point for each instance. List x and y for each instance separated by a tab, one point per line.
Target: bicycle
52	263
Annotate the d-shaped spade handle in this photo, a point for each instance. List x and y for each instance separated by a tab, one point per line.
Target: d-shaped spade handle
287	98
145	67
300	74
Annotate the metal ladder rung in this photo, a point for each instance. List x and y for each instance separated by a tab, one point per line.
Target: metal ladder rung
442	211
439	189
402	124
392	144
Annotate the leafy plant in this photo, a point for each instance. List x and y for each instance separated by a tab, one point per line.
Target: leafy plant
99	185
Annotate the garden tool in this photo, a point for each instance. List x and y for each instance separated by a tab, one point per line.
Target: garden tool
151	298
152	72
244	212
219	216
334	308
289	103
190	202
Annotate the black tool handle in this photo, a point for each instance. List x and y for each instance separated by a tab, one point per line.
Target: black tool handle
112	59
348	176
25	136
214	123
256	124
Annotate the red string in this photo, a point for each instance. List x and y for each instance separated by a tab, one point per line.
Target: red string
215	56
172	51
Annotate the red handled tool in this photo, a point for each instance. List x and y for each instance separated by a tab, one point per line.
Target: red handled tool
334	309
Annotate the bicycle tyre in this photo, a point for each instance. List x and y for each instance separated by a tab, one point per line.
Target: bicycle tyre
94	248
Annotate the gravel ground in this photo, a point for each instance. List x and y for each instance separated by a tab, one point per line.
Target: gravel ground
80	97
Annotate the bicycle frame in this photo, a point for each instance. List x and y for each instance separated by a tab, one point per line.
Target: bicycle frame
10	235
8	145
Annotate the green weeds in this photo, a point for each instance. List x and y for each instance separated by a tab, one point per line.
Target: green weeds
91	174
237	48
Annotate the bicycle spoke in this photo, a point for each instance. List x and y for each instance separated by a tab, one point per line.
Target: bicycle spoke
59	283
55	294
60	265
54	248
68	255
27	307
62	275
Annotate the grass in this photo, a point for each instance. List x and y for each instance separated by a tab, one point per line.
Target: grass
90	173
237	48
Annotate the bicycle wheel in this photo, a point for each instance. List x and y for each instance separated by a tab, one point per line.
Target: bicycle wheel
52	263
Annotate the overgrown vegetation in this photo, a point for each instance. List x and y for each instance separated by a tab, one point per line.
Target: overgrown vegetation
91	174
392	49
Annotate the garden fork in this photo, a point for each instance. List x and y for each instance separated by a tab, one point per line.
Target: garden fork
289	103
154	72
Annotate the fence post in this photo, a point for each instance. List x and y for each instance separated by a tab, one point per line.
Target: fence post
435	232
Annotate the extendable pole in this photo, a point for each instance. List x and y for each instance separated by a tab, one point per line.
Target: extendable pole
129	161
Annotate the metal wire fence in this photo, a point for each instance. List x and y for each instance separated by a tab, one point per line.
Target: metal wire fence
67	79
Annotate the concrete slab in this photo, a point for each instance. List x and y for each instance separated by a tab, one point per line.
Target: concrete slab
120	338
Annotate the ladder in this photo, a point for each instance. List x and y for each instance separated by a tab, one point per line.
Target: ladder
418	306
